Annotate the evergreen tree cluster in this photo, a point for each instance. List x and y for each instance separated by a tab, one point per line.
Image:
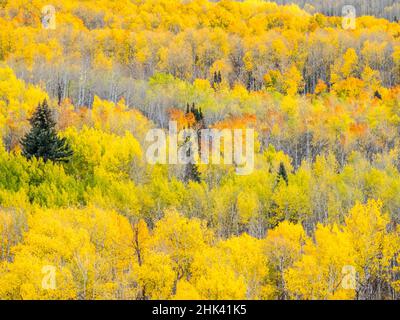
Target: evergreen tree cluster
217	79
251	83
198	114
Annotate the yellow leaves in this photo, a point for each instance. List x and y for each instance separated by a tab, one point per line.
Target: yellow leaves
274	158
318	275
350	60
273	79
293	201
119	196
101	111
247	203
11	199
305	281
102	62
176	58
365	220
180	238
375	246
367	226
141	237
371	77
350	87
143	52
321	87
117	118
290	107
214	278
284	244
245	254
98	254
293	81
363	244
83	246
234	269
17	102
95	149
202	85
186	291
373	52
396	55
51	51
156	276
155	273
279	47
12	225
221	66
163	54
101	247
248	61
197	200
161	194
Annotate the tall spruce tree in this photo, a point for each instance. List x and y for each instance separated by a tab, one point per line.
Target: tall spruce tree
282	174
219	77
42	140
191	170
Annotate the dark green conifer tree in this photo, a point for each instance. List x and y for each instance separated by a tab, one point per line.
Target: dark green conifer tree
42	140
191	170
282	174
219	77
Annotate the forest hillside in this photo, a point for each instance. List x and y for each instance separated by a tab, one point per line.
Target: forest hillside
84	215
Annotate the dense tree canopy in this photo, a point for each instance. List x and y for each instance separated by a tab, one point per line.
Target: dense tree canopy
320	209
